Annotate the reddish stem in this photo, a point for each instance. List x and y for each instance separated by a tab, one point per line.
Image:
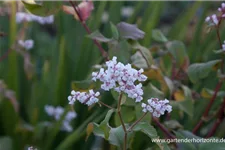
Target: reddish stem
206	112
221	46
164	130
220	117
4	56
103	52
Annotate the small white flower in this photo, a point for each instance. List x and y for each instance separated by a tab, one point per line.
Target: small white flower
105	17
121	78
27	44
212	20
156	107
84	97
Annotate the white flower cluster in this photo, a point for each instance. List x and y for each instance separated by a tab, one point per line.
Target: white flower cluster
21	17
214	19
121	78
84	97
157	107
57	112
27	44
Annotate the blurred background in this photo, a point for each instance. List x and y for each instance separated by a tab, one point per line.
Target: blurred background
62	55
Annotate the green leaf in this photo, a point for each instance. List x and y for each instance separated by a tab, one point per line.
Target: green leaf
103	128
145	52
183	145
46	8
178	51
151	132
83	85
6	111
96	35
186	105
128	115
211	145
199	71
120	49
158	36
152	91
139	61
173	124
6	143
116	136
147	129
114	30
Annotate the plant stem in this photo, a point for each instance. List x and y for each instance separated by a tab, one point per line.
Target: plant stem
220	117
101	103
122	122
5	55
164	130
83	23
206	112
221	46
137	121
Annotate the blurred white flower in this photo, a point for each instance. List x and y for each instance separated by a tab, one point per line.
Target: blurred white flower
27	44
105	17
223	46
127	11
212	20
222	8
26	17
157	107
57	113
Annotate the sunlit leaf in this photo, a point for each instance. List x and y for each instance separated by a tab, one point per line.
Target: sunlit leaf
46	8
179	95
154	73
82	86
199	71
207	93
96	35
158	36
